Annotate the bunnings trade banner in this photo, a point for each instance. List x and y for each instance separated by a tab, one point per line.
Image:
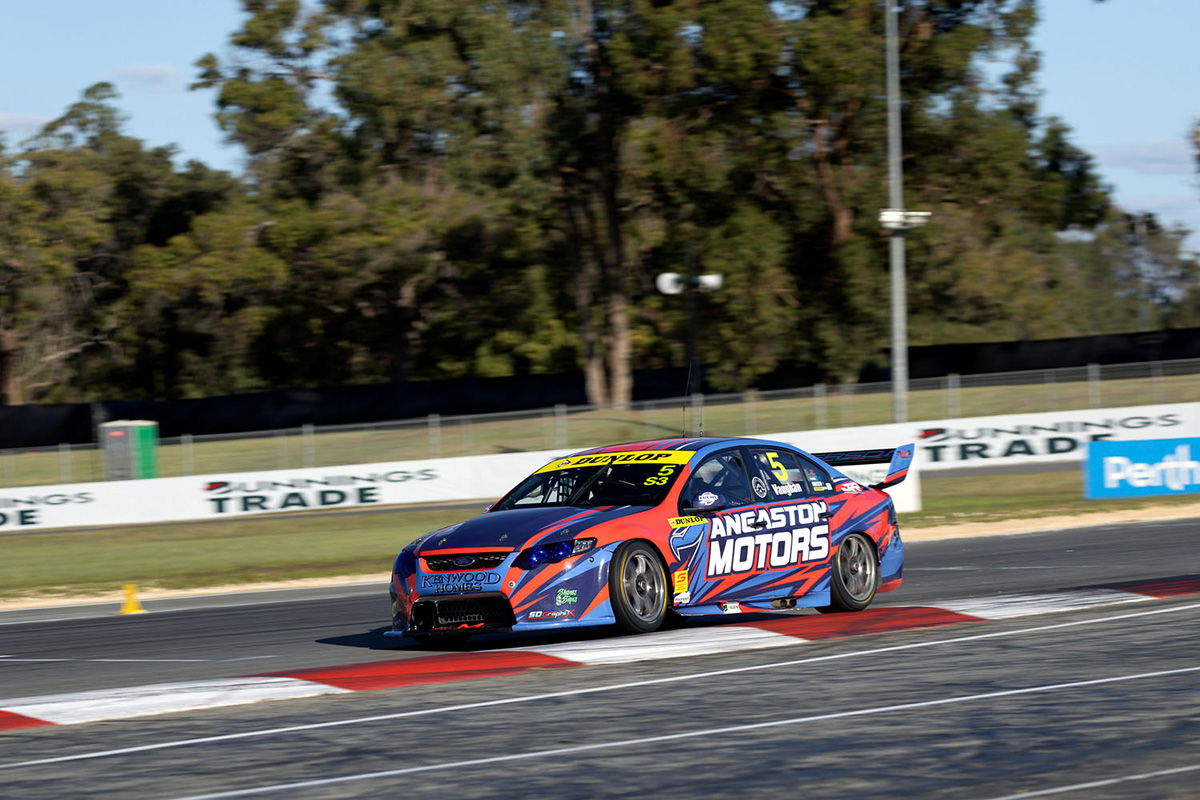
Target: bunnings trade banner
1057	436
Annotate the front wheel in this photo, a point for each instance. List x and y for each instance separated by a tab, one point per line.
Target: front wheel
854	575
637	586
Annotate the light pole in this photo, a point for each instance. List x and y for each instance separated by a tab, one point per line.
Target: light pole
897	220
674	283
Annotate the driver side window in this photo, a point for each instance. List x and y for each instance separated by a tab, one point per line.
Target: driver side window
719	482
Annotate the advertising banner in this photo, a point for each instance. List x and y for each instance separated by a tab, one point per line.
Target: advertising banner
201	497
1142	468
1010	438
217	496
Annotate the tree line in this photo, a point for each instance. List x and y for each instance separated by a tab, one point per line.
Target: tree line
445	188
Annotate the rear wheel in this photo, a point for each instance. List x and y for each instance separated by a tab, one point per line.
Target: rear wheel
637	586
854	575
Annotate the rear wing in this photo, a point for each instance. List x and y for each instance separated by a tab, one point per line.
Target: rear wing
898	460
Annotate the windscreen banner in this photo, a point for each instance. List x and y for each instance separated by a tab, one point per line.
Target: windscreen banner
1142	469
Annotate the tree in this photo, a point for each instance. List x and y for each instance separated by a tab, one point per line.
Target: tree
78	199
443	188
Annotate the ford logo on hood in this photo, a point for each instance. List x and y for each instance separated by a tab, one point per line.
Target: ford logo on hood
464	561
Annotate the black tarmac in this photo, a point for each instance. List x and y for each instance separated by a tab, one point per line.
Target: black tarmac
1097	703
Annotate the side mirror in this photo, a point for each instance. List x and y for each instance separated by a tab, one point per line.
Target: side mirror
706	511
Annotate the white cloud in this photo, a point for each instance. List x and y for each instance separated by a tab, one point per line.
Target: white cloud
157	78
1164	157
21	126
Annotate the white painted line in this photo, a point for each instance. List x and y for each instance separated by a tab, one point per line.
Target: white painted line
139	660
1096	784
92	706
666	644
996	569
1019	605
709	732
720	673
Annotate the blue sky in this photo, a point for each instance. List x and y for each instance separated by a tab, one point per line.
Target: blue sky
1124	74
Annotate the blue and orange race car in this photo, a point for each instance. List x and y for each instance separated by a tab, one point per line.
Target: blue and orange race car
630	533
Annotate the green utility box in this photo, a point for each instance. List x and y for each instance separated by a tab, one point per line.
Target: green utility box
130	449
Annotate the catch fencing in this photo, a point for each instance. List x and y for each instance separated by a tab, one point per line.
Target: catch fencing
573	427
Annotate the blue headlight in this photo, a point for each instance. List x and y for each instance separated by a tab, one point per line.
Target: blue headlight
406	562
550	553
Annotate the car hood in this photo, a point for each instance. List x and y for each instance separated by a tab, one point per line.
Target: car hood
520	527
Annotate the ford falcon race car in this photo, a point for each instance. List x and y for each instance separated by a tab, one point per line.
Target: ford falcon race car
629	533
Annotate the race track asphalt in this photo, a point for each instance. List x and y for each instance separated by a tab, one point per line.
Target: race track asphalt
1104	696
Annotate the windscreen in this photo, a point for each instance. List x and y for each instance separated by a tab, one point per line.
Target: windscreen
602	479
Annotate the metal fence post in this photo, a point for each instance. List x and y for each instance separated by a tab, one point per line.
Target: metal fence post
821	416
1093	378
560	425
187	459
64	462
548	423
846	390
434	424
697	414
310	444
466	432
953	399
1156	375
749	413
281	456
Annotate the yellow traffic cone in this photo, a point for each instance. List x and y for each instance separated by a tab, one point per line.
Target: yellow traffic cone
131	604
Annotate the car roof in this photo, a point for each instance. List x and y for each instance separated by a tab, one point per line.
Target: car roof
684	443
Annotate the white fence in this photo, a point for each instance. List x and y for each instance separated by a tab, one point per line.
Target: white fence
944	444
577	427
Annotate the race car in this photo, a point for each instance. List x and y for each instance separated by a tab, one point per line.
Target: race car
628	534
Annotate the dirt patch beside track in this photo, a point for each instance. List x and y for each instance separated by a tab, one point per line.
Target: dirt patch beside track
1052	523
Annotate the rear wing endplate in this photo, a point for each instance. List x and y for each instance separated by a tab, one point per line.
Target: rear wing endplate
898	459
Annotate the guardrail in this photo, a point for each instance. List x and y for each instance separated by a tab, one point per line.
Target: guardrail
807	408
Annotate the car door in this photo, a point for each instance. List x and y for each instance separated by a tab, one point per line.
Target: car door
777	544
717	487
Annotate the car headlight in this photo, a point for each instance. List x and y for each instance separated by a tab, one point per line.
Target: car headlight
406	562
550	553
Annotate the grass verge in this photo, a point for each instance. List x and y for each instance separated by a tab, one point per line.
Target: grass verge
280	548
961	499
196	555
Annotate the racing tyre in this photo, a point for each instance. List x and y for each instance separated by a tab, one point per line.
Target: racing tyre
637	586
854	575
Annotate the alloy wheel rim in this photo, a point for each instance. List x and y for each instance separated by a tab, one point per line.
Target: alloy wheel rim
857	566
644	586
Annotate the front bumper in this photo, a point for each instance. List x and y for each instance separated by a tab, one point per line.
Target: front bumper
468	613
571	592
